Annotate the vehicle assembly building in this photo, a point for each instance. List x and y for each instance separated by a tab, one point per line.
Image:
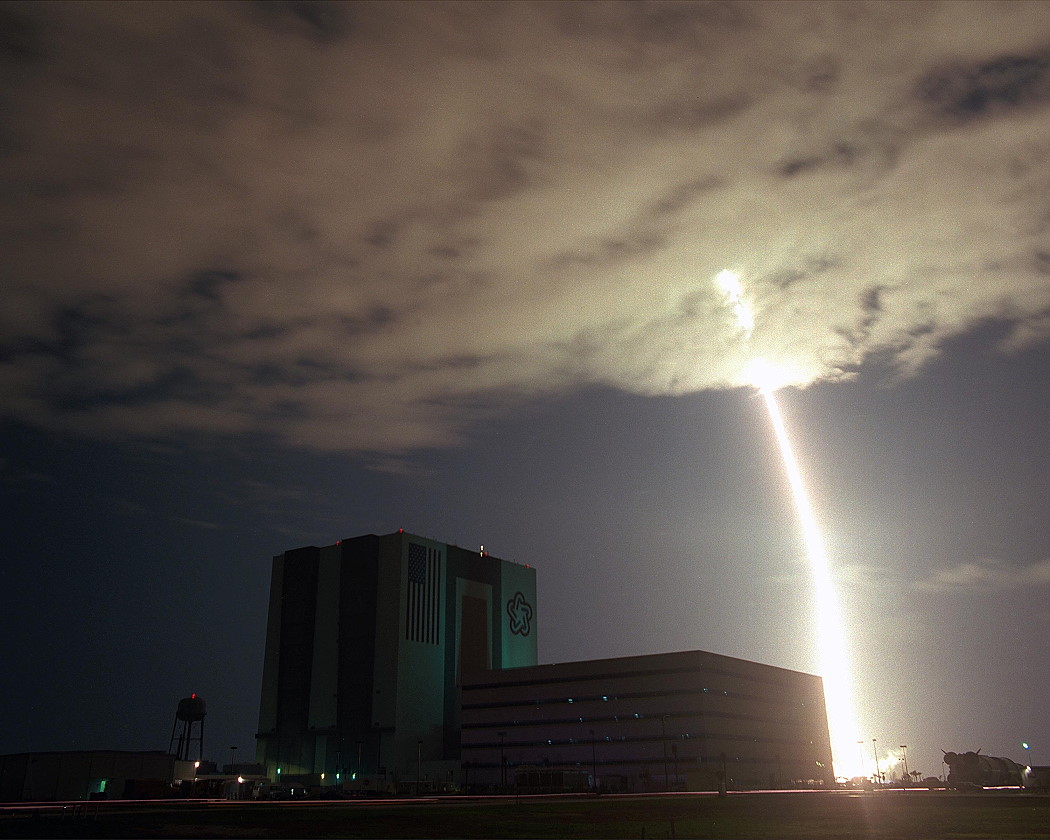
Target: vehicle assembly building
367	642
402	662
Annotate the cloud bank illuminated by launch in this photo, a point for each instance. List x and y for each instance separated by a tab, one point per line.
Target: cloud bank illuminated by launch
539	178
833	656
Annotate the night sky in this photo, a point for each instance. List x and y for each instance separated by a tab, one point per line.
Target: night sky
277	274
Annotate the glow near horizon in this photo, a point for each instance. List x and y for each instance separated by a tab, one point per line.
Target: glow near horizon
833	656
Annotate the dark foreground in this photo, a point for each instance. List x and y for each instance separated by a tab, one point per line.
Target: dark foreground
886	814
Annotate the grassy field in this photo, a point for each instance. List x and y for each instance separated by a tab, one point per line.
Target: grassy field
890	815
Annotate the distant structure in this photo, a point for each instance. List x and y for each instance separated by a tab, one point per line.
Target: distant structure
407	664
191	710
973	770
367	644
90	774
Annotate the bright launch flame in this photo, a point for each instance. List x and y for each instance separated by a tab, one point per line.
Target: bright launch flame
831	642
830	632
768	377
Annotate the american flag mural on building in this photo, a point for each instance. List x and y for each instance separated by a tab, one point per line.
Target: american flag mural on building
424	595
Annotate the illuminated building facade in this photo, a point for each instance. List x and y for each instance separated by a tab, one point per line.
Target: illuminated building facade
367	643
660	722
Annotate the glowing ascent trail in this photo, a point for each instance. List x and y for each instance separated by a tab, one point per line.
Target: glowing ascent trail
830	631
831	642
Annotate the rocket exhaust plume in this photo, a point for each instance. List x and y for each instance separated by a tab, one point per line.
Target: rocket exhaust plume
829	629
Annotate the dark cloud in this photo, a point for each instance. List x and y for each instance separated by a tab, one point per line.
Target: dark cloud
681	196
208	284
611	251
638	34
20	41
871	147
321	20
498	165
871	300
1000	85
699	114
797	166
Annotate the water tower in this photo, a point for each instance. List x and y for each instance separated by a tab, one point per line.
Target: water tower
191	710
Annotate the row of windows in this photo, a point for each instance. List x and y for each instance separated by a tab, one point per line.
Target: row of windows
658	761
632	717
635	739
622	675
627	695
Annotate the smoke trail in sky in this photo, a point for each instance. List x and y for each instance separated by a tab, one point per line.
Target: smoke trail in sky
829	628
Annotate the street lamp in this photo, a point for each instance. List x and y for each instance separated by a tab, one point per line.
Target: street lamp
502	762
663	726
860	752
878	775
594	765
904	749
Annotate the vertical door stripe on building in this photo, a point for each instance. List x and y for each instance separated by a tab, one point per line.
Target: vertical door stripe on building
424	596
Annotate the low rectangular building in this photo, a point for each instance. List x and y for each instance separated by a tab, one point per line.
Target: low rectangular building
88	774
672	721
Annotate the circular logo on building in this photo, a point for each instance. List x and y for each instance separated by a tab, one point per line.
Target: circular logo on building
520	612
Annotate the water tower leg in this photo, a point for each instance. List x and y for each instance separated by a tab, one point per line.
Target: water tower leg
174	725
